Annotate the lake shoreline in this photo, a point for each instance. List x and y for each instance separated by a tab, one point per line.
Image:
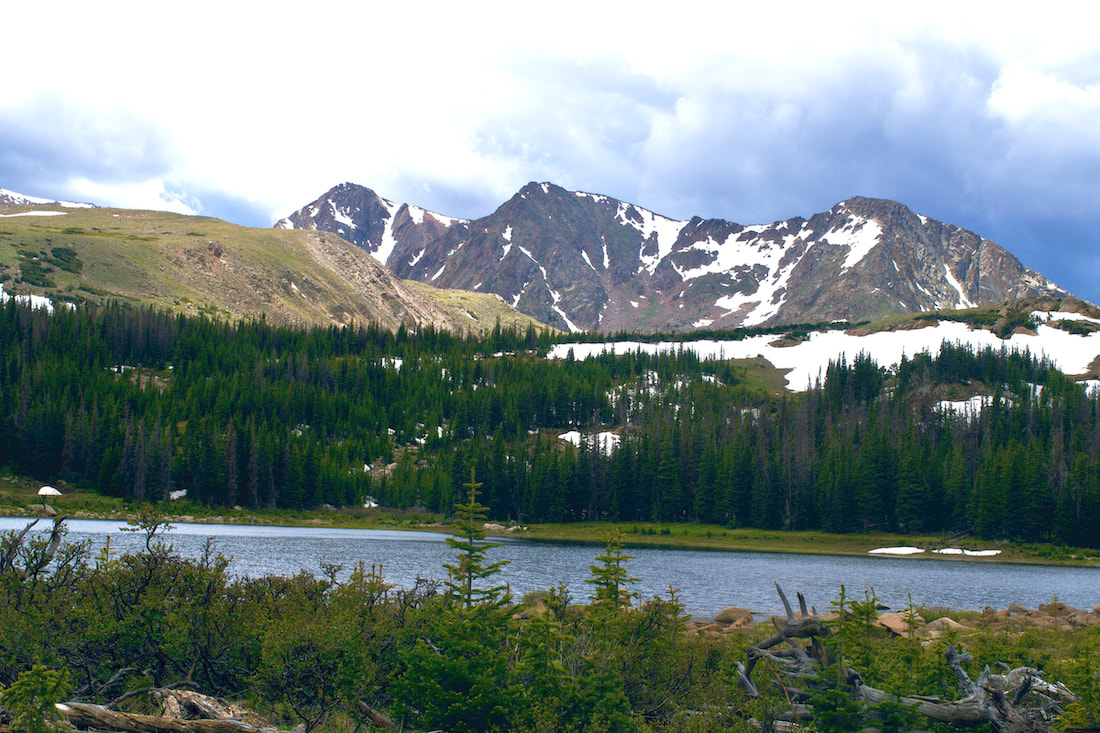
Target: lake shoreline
17	494
646	535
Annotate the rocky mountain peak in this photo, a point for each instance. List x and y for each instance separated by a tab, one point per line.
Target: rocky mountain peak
583	261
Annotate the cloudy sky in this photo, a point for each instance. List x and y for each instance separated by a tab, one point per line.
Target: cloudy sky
247	110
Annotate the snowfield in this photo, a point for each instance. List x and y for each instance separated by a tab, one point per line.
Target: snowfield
806	362
34	213
36	301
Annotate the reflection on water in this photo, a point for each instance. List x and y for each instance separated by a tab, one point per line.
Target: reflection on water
706	581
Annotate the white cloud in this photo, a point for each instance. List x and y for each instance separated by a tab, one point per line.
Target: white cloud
746	112
148	194
1047	105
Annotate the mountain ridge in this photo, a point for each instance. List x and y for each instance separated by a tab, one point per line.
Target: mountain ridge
193	264
584	261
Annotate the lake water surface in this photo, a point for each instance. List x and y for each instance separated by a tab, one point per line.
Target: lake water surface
706	581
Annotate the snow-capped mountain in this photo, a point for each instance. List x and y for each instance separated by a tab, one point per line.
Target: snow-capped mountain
364	218
11	198
584	261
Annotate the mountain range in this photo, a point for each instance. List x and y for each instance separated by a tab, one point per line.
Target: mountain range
574	260
583	261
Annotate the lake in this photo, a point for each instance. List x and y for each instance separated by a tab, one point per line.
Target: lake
706	581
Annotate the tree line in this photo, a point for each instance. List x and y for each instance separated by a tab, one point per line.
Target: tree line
138	403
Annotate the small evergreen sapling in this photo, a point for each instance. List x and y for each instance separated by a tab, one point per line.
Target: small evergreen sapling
610	576
472	547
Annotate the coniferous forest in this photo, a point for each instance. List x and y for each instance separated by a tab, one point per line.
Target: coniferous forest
138	403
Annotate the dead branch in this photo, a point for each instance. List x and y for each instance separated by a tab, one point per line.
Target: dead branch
35	565
1018	701
376	718
7	560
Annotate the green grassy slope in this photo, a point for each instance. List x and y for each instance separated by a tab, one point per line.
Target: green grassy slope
193	264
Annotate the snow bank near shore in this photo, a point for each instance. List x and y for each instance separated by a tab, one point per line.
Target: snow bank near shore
944	551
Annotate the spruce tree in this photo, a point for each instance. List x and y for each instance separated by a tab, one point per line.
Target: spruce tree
471	546
610	576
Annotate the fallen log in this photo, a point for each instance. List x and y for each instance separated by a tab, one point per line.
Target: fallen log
189	705
184	711
86	716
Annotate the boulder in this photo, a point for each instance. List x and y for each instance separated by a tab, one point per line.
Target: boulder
944	624
740	623
732	614
1080	619
1057	608
898	624
1017	608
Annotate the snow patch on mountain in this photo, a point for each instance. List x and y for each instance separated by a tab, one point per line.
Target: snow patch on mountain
606	441
859	235
386	246
650	225
598	198
342	216
807	361
14	198
554	294
963	301
768	298
35	301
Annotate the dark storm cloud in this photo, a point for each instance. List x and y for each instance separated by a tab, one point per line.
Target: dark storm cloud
920	129
876	131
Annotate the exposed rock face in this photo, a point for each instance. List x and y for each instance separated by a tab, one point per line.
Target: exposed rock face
365	219
584	261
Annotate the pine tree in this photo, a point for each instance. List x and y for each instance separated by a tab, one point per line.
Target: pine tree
471	547
610	576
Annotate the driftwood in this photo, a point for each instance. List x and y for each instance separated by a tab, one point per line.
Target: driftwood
1019	701
184	712
993	698
96	717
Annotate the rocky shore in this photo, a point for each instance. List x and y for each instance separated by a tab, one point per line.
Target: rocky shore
1054	615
